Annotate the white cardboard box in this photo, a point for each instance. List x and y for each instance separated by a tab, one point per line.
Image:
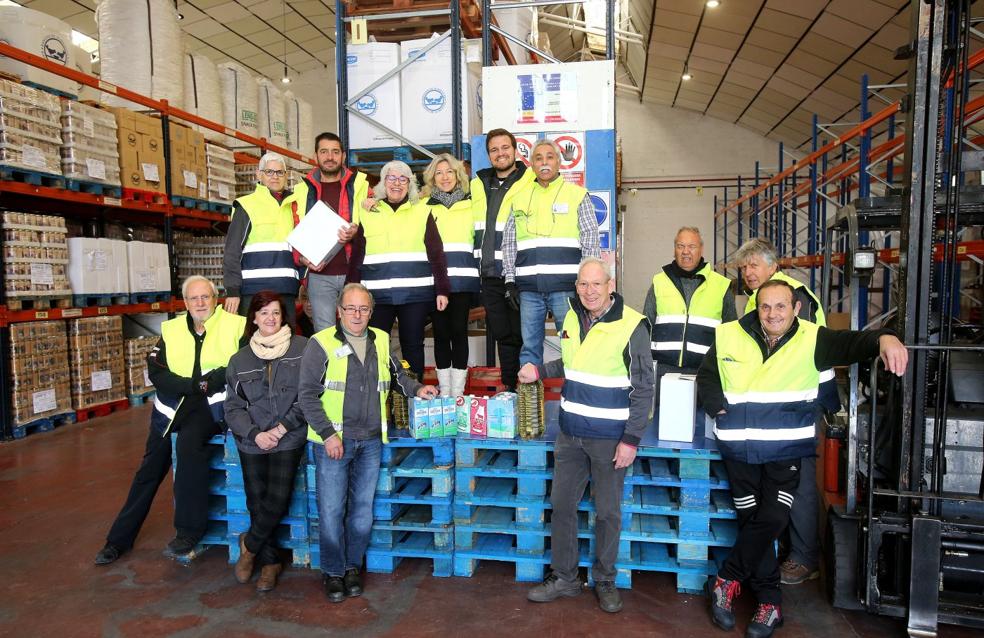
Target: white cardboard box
365	64
677	405
88	266
147	267
426	96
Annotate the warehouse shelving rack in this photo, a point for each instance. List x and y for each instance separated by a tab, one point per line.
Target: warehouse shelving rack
45	199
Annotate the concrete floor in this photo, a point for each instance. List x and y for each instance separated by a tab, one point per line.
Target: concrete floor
59	492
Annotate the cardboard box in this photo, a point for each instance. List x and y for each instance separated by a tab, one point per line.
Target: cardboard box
677	405
367	63
426	95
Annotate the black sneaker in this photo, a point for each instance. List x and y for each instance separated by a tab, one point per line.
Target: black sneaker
767	617
553	588
180	546
608	597
722	594
352	582
334	588
108	554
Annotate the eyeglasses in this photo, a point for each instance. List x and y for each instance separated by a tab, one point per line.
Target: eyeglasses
590	285
272	172
397	179
199	299
351	310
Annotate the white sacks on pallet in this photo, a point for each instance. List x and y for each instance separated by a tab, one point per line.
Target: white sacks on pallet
239	98
148	269
366	63
82	61
201	92
42	35
300	134
426	95
272	114
97	266
139	49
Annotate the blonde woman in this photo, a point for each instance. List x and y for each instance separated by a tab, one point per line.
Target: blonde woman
446	196
398	255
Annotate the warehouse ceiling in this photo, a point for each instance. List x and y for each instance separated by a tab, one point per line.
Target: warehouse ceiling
767	65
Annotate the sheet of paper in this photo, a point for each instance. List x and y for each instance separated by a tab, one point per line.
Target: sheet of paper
316	237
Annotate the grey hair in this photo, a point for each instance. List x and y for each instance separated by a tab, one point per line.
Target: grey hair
756	247
194	279
396	167
358	288
689	229
605	266
545	142
270	156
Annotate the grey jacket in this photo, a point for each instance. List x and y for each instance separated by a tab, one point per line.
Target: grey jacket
360	418
260	394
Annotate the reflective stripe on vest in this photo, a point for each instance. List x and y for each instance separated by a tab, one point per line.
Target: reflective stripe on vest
548	247
268	260
595	397
457	229
480	214
333	398
770	410
222	334
683	333
396	268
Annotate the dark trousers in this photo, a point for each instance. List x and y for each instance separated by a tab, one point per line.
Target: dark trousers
804	541
190	480
576	460
763	494
412	318
451	332
289	300
269	482
504	325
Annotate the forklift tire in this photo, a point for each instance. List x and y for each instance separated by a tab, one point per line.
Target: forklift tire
840	562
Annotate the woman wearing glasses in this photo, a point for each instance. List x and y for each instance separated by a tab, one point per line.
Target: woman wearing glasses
445	194
398	255
257	255
262	411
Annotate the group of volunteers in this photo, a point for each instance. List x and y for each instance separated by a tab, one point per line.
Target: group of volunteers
524	242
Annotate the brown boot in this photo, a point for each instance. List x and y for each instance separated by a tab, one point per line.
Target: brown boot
268	577
244	566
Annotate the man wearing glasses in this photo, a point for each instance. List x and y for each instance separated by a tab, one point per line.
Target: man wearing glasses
604	409
552	227
257	256
187	368
346	373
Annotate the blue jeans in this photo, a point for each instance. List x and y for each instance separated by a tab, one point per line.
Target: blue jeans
533	308
345	490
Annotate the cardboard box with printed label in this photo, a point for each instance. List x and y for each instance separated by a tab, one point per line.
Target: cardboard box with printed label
141	148
366	63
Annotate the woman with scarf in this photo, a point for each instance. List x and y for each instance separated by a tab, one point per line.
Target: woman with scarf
261	410
446	197
398	255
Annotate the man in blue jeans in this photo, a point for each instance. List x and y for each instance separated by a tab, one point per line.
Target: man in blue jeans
345	377
551	228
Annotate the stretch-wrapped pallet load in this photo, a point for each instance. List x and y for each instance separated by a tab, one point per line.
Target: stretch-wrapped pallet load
35	256
137	378
272	113
221	169
245	179
199	255
82	61
98	266
201	92
90	150
141	148
95	353
148	268
42	35
139	49
240	98
30	129
367	63
300	124
39	374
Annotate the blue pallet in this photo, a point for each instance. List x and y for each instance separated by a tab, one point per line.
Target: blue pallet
389	506
504	464
46	424
441	449
220	207
52	90
236	500
189	202
410	545
499	492
659	557
87	301
500	548
418	463
531	455
234	474
529	539
150	297
28	176
300	550
141	398
94	188
653	528
387	534
376	157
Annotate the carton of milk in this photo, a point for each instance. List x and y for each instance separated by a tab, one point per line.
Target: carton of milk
436	418
450	416
478	417
419	418
462	413
503	415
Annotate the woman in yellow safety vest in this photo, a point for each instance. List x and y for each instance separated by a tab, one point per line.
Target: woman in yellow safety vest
398	255
445	195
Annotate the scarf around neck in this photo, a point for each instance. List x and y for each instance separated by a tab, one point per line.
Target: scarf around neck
272	347
448	199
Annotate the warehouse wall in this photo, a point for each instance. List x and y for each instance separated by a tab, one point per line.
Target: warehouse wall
661	143
318	88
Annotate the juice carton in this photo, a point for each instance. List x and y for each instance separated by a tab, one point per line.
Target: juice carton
419	418
462	413
436	418
478	417
450	416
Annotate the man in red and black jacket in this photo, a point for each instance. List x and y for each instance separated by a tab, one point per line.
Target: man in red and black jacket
343	190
